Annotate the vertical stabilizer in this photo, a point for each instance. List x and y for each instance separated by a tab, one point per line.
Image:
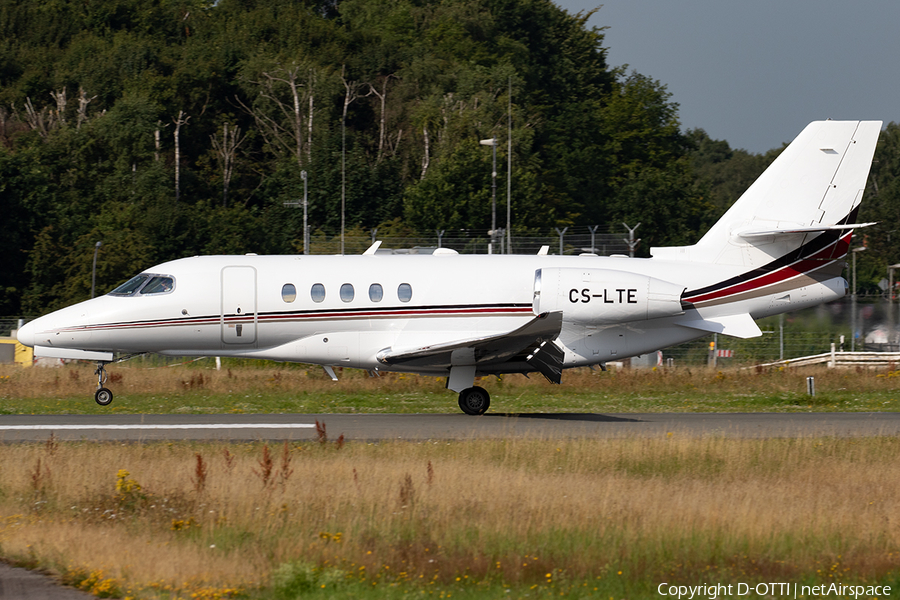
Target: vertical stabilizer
810	193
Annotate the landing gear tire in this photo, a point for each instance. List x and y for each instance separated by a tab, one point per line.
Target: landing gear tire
474	400
103	396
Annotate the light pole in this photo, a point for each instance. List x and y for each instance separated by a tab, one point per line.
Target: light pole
509	168
305	207
890	309
855	251
492	142
94	268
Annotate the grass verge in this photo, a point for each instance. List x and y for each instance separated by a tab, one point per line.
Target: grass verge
478	519
199	388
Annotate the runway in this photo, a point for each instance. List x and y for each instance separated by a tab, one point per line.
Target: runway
382	427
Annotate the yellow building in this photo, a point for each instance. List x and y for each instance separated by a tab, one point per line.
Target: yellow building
11	351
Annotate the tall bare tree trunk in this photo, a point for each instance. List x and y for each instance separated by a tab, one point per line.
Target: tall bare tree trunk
60	99
226	151
35	119
309	122
351	89
156	141
182	120
285	130
426	158
83	102
382	97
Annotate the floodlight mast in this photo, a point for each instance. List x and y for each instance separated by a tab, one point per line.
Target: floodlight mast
853	317
94	268
305	208
492	142
890	310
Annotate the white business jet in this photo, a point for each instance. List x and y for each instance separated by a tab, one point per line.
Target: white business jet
778	248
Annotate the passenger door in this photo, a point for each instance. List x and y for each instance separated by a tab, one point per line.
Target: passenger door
238	315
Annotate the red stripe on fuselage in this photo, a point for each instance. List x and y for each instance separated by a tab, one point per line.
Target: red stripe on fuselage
799	267
335	315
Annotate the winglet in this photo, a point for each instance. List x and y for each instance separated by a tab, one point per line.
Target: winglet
372	248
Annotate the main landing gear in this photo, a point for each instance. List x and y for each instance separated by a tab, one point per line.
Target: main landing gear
103	396
474	400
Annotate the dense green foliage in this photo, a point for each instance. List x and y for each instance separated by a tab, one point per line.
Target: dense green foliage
167	128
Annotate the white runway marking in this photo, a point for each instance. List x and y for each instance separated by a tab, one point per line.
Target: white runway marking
160	426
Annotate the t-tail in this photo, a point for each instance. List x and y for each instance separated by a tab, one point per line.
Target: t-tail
793	226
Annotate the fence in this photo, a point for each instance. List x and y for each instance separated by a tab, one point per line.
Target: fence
575	240
8	324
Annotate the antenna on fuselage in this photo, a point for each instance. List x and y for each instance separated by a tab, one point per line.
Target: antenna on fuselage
372	248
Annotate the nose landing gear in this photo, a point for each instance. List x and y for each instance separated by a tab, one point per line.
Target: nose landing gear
103	396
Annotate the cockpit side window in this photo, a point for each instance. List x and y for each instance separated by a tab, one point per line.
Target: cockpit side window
160	284
131	286
145	283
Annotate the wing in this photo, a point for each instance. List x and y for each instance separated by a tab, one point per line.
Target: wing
507	352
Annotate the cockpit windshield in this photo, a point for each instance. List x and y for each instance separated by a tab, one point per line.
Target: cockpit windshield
145	284
131	286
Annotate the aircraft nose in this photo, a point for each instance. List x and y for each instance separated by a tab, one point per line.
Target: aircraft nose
25	335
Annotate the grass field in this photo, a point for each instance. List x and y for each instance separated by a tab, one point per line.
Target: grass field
238	387
476	519
577	518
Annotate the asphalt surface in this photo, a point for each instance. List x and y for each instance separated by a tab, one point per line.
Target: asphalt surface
21	584
380	427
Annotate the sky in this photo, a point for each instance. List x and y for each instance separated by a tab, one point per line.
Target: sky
755	73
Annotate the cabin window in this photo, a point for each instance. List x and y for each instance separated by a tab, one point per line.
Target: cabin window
158	285
317	293
404	292
131	286
288	292
347	292
376	292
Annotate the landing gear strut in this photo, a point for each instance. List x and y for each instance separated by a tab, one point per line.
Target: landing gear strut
474	400
103	396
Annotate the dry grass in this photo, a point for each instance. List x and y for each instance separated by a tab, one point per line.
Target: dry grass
249	376
503	511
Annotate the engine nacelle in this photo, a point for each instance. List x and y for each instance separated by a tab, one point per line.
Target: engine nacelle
601	296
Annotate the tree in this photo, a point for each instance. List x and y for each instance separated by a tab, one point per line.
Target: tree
226	148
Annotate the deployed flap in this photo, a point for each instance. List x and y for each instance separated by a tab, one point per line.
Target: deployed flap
491	349
548	359
741	326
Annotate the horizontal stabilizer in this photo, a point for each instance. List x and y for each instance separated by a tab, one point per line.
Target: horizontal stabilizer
740	326
71	354
490	349
802	230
